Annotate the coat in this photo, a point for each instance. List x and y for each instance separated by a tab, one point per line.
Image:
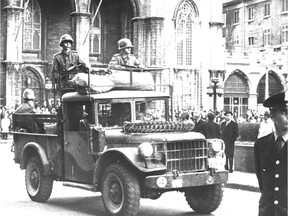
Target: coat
5	124
229	134
211	130
199	126
271	171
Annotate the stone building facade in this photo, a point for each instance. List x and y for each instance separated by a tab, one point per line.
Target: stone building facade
255	35
183	37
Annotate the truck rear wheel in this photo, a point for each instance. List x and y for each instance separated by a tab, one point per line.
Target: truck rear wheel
38	186
204	199
120	191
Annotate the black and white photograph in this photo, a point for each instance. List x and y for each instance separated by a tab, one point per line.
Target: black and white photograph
143	107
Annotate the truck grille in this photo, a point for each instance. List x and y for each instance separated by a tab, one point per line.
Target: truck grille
188	156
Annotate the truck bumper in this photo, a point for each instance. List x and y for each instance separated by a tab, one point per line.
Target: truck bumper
172	181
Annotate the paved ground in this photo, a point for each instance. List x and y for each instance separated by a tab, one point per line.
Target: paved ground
243	181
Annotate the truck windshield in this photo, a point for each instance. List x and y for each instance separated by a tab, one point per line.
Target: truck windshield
112	114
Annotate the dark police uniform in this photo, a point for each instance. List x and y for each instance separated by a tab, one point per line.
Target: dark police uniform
271	169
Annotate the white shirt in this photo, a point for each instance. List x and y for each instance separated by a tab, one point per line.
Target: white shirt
266	127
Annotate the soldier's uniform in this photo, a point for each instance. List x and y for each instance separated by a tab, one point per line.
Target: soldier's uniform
25	108
65	65
62	63
128	60
123	58
271	167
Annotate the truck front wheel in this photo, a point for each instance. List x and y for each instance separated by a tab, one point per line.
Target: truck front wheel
120	191
204	199
38	186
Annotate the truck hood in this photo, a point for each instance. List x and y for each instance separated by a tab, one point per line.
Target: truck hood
116	136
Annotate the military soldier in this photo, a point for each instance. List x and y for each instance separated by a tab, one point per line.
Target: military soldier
124	58
66	62
28	107
28	102
271	160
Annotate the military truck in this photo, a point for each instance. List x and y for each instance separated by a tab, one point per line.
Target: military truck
130	149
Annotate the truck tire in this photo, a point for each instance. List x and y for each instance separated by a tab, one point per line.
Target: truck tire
120	191
38	186
204	199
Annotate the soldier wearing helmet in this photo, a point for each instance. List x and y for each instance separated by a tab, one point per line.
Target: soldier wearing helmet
124	58
66	62
28	102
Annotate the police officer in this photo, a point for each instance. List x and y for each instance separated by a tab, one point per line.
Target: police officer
124	58
28	102
270	154
65	62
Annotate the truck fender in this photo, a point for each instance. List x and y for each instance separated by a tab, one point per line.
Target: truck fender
26	153
126	155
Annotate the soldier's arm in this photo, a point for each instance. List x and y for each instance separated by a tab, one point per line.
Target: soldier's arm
114	63
86	65
55	68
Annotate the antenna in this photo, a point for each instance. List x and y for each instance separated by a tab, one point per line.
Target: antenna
93	19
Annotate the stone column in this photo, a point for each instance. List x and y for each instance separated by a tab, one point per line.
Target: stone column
14	33
13	52
252	101
150	28
82	26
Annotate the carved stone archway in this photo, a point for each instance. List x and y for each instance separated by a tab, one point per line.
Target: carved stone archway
32	79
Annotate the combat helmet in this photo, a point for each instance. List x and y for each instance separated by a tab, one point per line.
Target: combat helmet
66	37
124	43
28	94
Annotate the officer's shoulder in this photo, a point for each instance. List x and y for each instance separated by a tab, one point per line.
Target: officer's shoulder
116	55
57	54
264	139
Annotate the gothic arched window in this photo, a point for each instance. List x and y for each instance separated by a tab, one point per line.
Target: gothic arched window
184	32
274	86
32	26
95	33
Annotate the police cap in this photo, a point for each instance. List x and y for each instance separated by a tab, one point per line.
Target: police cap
277	101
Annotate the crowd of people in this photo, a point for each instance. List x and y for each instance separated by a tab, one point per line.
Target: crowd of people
251	116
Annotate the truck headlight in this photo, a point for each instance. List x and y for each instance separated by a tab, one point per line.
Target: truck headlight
216	145
145	149
216	155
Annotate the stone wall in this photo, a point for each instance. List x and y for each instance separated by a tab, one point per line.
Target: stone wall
244	157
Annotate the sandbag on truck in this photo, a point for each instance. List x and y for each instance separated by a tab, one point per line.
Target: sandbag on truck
131	80
98	83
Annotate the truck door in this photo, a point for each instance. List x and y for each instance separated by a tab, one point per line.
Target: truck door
78	162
